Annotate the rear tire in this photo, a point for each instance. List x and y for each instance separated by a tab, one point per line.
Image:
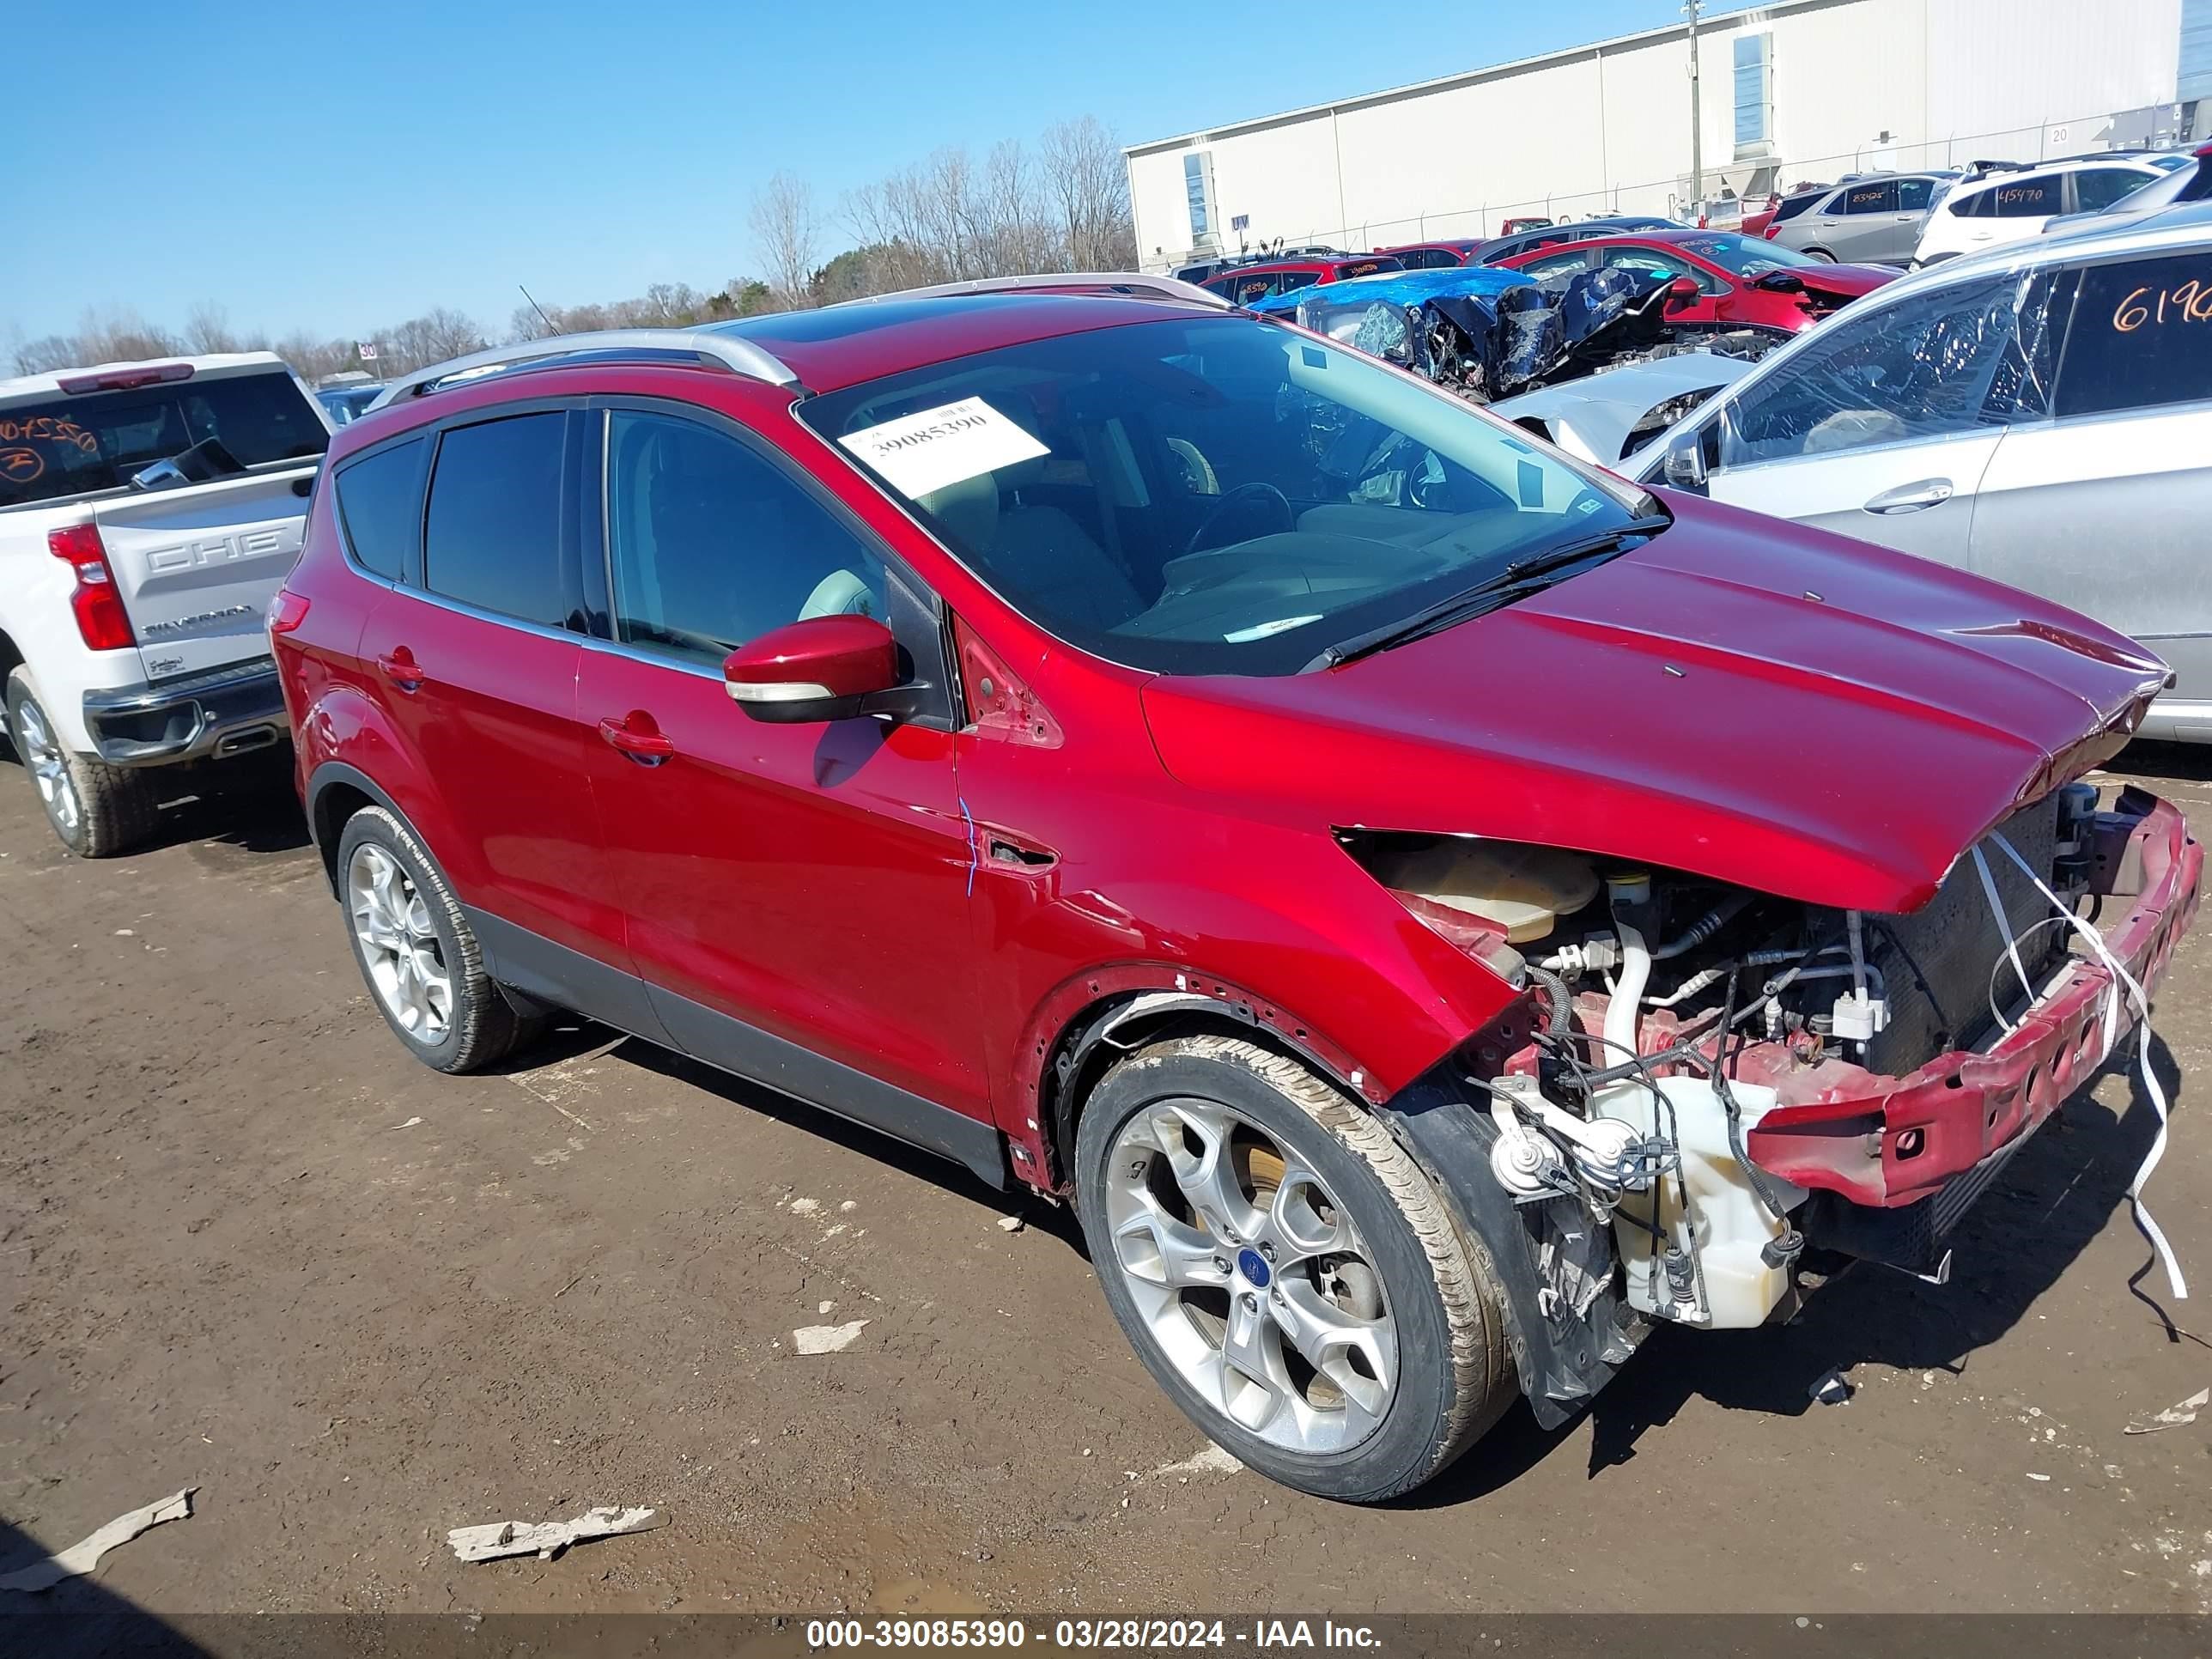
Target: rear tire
416	951
1285	1270
96	811
1821	254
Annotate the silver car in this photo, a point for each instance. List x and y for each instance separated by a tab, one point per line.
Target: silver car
1873	219
2041	414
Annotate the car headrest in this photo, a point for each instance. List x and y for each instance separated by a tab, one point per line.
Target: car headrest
969	509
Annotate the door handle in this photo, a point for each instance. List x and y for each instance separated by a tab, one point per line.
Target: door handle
400	667
1004	851
648	747
1911	497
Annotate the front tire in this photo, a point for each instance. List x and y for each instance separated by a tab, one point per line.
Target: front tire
1285	1270
416	951
95	810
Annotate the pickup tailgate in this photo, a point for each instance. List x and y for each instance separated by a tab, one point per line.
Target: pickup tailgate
196	566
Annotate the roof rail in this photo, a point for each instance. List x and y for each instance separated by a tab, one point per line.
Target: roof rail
740	356
1161	288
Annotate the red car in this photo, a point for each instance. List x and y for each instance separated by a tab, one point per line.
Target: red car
1437	256
1742	282
1436	910
1258	281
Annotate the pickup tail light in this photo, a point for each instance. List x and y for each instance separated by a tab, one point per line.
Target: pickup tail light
287	611
100	617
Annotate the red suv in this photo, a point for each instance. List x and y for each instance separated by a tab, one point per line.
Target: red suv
1423	900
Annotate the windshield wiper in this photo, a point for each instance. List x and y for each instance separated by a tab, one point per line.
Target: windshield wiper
1518	577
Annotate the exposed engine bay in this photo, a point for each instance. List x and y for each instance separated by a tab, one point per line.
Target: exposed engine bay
1485	334
1668	1018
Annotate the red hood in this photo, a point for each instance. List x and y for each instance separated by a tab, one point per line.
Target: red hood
1740	697
1849	281
1830	288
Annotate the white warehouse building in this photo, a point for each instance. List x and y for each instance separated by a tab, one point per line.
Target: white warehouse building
1800	90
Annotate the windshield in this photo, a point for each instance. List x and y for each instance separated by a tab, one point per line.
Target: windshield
1218	495
1745	255
66	445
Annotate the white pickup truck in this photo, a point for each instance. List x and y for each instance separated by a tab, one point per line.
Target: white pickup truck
148	513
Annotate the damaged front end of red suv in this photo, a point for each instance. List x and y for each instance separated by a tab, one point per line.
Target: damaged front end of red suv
1773	1014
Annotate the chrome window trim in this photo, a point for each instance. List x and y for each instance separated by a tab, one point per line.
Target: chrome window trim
505	619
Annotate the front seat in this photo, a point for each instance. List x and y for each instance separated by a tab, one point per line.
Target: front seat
1036	554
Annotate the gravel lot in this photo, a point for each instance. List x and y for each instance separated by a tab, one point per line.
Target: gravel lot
247	1245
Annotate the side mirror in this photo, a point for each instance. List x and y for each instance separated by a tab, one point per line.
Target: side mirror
825	668
1685	467
1681	292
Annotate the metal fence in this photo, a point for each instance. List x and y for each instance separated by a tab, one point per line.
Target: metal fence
1670	197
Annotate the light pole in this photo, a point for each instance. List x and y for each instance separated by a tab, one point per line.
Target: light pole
1697	117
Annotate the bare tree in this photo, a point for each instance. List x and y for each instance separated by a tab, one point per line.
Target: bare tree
789	233
1088	184
894	252
207	328
317	360
431	338
122	335
947	219
46	354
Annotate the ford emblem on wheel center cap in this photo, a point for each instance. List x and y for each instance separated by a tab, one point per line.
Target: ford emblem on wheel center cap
1250	1264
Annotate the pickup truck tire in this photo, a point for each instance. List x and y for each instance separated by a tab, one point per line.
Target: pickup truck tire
1286	1271
416	951
97	810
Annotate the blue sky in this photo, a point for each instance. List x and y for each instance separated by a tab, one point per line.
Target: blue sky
338	166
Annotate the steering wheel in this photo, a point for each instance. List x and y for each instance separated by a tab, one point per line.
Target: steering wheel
1236	498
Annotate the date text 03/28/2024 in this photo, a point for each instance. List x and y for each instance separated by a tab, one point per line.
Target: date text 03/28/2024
1263	1635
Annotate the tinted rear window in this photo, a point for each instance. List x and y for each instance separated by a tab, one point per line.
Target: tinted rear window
380	506
2142	338
1795	205
492	536
69	445
2100	187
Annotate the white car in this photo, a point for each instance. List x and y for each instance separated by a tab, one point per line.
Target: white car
2166	190
2014	203
2041	415
148	513
1608	416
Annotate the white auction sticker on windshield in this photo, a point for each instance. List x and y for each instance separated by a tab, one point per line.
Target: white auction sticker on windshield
938	447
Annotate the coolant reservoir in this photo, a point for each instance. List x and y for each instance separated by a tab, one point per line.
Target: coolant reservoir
1731	1282
1523	889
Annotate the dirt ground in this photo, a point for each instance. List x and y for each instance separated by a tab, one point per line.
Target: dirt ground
248	1245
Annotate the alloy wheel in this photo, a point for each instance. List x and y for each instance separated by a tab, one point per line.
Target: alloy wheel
405	960
49	768
1250	1276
